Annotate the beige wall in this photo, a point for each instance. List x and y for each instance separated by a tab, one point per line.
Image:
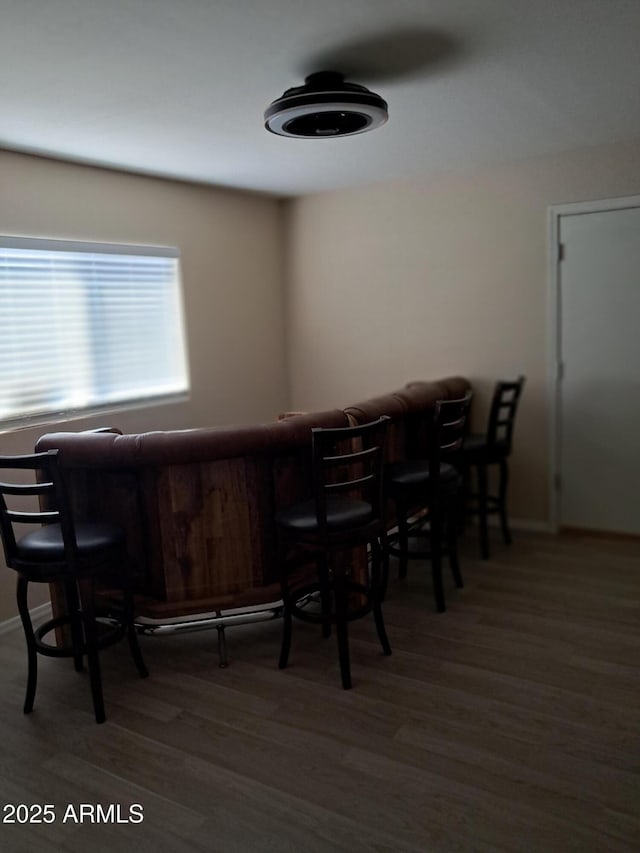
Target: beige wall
395	282
384	284
231	256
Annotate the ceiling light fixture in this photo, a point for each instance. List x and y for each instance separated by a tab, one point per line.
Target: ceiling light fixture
325	107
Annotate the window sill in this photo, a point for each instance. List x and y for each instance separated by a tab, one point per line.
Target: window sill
59	419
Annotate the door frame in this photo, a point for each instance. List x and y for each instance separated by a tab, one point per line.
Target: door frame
554	332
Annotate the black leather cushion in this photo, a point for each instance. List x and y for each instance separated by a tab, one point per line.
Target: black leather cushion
45	545
416	473
475	442
341	513
477	447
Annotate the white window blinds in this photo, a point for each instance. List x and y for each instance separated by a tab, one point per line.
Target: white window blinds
83	326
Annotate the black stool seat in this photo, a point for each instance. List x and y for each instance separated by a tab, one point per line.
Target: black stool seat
477	447
73	555
416	472
341	512
47	544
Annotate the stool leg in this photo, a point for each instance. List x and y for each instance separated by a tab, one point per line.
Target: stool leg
126	584
403	538
483	511
85	588
463	498
285	646
502	501
342	633
223	660
384	557
32	655
325	593
378	557
435	537
452	521
134	648
132	634
77	640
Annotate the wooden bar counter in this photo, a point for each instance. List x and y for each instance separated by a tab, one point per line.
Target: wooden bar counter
198	505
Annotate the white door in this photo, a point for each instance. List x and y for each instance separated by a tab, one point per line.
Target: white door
599	302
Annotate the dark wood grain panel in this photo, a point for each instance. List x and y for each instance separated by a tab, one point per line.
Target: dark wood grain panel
206	528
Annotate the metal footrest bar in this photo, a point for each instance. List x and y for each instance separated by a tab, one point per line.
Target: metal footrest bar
219	619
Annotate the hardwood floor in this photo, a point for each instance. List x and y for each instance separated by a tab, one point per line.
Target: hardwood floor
510	722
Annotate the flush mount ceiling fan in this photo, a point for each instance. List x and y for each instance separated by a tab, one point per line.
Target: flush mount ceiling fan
326	106
329	106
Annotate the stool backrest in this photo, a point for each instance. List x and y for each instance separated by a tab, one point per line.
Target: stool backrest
17	499
502	414
349	461
448	430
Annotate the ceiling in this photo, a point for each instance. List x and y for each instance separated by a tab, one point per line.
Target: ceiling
178	87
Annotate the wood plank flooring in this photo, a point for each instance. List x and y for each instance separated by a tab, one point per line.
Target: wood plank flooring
509	723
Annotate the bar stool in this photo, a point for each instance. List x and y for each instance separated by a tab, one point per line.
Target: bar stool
492	448
425	495
345	513
72	554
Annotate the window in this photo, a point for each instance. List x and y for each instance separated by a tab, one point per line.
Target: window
86	325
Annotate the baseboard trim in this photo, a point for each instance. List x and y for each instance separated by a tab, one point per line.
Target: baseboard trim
42	611
526	525
531	525
589	533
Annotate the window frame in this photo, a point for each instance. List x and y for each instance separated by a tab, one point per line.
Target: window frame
63	414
